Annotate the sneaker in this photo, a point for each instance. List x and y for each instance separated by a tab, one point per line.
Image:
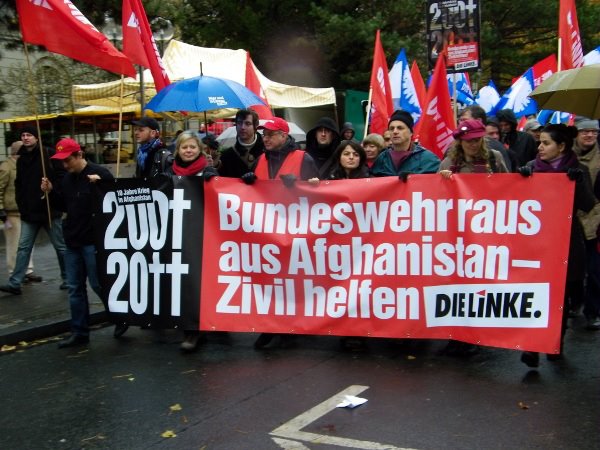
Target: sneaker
32	278
530	359
10	289
592	324
190	342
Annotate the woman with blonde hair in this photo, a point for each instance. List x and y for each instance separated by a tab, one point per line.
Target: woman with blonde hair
373	144
470	153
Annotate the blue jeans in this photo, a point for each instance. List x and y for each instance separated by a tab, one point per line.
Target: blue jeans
80	263
29	231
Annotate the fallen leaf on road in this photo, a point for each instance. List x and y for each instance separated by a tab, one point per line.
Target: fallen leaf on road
168	434
411	357
8	348
175	407
127	375
523	405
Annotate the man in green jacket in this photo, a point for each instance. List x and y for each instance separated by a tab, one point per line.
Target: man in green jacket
404	156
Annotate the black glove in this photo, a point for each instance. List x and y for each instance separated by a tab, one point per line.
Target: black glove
249	178
208	173
403	176
525	171
575	174
288	179
3	215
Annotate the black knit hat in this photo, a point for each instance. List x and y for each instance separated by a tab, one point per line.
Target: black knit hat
31	130
404	117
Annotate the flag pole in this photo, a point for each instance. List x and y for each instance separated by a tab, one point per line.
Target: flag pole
120	125
37	123
368	115
559	62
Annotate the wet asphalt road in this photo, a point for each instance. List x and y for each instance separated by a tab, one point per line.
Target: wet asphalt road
126	394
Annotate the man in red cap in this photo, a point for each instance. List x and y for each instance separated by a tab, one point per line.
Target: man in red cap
74	196
281	159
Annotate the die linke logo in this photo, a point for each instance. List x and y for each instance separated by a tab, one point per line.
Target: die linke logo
518	305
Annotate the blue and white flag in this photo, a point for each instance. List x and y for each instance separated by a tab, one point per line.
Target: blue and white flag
464	94
548	116
488	97
592	57
404	94
517	97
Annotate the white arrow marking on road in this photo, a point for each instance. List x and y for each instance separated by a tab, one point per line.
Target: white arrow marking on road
292	429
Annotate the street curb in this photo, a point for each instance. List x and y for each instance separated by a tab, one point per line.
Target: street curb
25	332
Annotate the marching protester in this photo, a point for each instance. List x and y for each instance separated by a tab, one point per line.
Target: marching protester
73	195
239	159
9	213
470	153
492	142
404	156
534	128
556	155
387	138
34	210
373	144
348	131
152	156
587	150
191	159
321	142
282	159
520	142
351	163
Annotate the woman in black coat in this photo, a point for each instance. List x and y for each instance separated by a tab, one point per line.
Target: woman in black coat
555	155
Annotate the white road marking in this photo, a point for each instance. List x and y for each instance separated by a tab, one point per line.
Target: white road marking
292	429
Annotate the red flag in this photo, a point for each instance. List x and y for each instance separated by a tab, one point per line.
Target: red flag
139	44
437	118
382	106
543	69
253	83
571	52
420	88
60	27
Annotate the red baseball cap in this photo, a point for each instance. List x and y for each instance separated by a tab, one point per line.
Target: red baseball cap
65	148
275	124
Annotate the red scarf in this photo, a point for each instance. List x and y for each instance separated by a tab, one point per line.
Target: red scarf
189	169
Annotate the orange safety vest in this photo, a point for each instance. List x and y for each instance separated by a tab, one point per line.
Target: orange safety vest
292	165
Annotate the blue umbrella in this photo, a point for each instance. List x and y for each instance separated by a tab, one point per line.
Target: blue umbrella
203	93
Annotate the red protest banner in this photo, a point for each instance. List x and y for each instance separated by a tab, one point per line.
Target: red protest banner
429	258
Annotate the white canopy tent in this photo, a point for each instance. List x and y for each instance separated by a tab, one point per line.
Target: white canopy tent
183	60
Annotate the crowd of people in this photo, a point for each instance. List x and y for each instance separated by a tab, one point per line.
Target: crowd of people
481	145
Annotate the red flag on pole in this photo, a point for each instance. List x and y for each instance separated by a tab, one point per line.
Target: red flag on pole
420	88
253	83
139	44
571	52
60	27
437	119
382	106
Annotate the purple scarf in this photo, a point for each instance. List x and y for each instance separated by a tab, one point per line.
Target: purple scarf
568	161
